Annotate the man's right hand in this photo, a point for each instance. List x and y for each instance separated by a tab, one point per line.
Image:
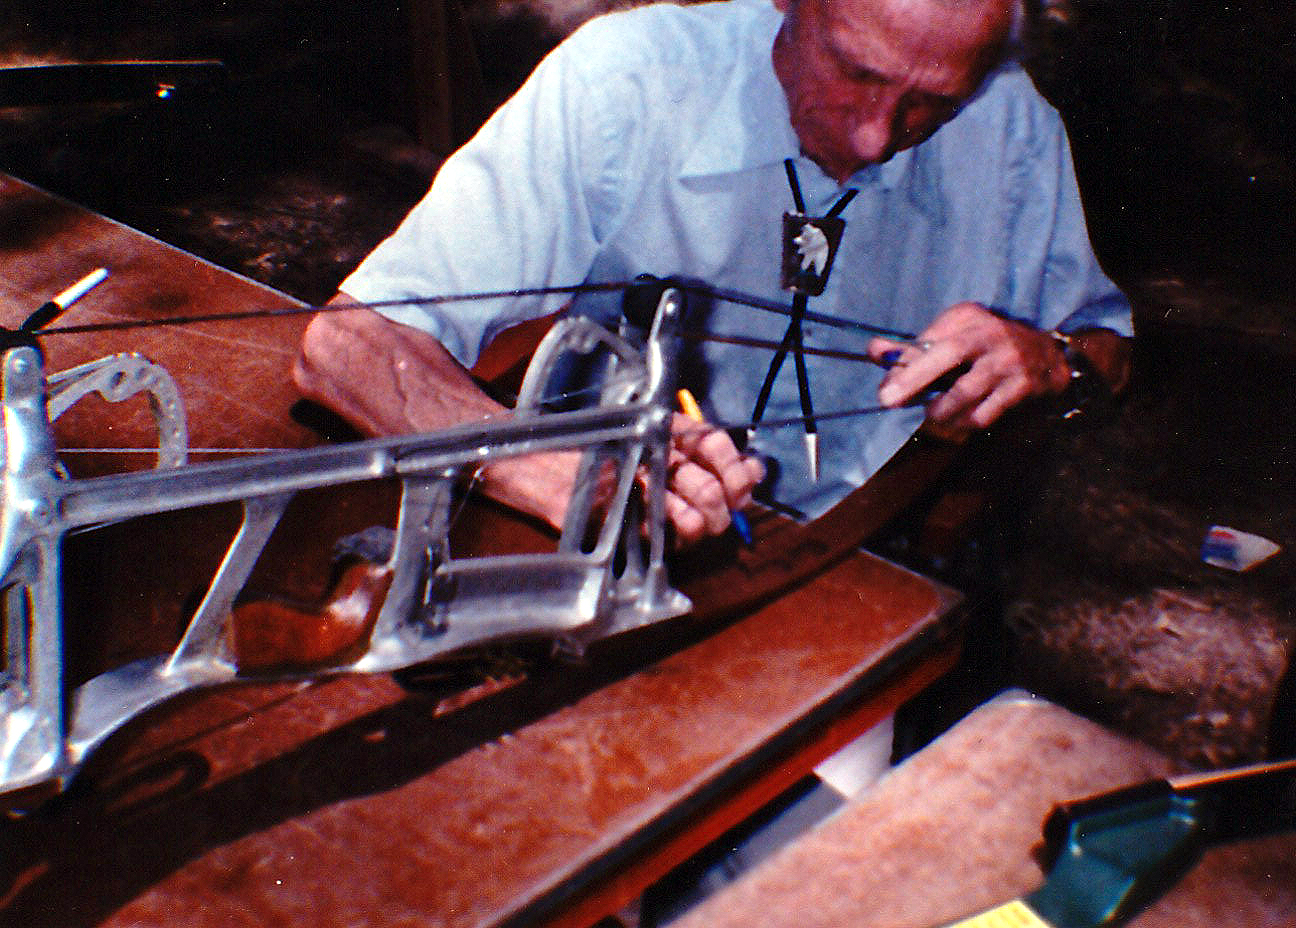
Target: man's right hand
390	379
709	479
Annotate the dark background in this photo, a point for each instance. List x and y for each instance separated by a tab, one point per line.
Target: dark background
1181	118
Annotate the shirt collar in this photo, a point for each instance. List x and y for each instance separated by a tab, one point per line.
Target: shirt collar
749	127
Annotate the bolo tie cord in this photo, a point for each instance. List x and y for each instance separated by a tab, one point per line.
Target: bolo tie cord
794	338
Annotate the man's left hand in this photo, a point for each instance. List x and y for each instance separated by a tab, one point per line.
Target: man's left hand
1006	362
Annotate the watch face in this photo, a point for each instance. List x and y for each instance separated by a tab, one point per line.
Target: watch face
810	244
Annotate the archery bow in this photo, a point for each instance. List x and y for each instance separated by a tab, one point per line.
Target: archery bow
419	603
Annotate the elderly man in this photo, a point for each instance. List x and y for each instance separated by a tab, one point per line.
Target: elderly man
673	141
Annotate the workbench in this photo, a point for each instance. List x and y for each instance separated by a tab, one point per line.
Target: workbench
505	787
957	829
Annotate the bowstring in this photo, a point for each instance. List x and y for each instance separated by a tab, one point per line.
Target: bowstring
576	394
719	293
727	295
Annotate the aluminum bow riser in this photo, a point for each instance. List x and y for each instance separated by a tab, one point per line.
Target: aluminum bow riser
605	576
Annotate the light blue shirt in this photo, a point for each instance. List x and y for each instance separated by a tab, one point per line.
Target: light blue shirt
653	140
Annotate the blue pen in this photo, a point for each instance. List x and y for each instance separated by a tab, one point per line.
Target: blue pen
690	408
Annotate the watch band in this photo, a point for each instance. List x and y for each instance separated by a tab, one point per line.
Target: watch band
1086	392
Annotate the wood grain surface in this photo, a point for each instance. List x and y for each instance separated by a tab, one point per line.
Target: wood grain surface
500	787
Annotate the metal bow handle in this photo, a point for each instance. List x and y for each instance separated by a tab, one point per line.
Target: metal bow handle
606	576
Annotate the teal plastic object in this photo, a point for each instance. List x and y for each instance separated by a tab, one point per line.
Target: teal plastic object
1112	861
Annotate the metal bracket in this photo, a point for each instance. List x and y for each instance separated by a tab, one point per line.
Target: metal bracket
117	378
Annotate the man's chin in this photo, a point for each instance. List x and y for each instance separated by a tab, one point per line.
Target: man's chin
845	170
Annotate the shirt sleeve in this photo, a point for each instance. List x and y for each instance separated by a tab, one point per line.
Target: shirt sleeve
513	209
1067	287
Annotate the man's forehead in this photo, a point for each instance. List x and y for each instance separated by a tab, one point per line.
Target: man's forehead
943	46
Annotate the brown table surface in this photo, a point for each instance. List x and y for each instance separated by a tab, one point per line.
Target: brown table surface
46	244
504	787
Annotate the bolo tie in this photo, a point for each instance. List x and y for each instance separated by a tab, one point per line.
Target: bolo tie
810	244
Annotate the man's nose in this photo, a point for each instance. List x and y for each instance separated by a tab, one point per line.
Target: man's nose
876	131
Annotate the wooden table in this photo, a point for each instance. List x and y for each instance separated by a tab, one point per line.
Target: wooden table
233	375
505	788
957	829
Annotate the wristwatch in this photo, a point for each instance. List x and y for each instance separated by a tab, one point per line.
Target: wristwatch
1086	392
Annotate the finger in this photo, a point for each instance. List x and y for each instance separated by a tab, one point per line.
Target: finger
963	396
688	523
918	366
738	474
700	490
1007	394
686	433
751	472
738	480
713	450
984	409
885	351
